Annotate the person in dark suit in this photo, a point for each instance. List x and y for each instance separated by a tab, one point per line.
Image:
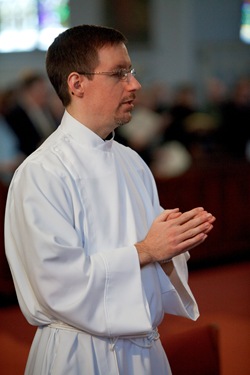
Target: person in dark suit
30	117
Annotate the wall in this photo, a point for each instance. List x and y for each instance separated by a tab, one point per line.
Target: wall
218	50
190	40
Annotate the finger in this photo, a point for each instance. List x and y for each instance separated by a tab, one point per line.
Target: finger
209	229
212	219
193	231
198	220
174	215
188	215
192	242
164	215
196	241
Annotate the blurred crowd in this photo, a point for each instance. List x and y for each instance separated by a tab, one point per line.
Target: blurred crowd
170	130
29	112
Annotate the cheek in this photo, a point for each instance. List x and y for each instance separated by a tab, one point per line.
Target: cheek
115	92
106	98
104	105
111	99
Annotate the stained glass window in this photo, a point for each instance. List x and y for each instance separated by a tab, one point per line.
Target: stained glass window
245	22
26	25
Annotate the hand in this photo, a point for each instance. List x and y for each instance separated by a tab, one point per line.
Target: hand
173	233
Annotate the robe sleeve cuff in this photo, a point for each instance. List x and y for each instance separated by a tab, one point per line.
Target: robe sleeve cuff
126	308
177	297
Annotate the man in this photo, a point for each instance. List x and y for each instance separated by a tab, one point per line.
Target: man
95	260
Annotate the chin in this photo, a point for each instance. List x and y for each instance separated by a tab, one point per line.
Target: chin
123	121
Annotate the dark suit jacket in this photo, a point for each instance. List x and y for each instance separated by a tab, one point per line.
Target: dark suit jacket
27	134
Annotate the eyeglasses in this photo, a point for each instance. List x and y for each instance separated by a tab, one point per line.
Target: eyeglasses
121	74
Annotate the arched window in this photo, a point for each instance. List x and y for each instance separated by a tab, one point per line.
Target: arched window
26	25
245	22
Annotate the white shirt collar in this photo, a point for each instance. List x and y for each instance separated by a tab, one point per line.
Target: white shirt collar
82	134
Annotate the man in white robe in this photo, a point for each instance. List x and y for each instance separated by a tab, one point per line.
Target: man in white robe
95	260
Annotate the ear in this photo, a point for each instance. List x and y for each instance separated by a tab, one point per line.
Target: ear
76	84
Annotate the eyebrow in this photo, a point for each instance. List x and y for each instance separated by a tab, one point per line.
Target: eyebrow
120	66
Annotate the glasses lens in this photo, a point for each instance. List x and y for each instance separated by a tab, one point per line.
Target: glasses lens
133	72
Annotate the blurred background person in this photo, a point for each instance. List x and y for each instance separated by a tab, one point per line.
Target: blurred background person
235	129
144	132
31	117
10	155
183	105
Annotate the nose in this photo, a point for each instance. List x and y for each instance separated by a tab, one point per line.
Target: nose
134	84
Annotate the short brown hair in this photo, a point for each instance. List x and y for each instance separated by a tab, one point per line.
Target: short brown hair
76	49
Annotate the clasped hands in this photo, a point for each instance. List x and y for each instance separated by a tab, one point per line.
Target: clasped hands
173	233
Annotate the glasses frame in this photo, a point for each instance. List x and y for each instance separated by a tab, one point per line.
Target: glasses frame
121	74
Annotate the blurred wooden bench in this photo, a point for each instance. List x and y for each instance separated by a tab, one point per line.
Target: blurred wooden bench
193	352
223	188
